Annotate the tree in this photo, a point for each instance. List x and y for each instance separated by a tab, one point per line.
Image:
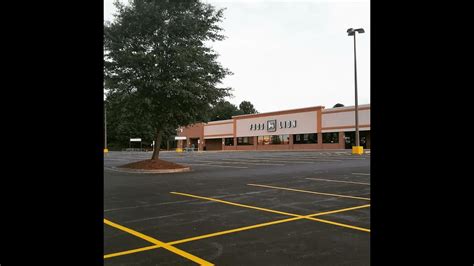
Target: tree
123	125
338	105
247	107
157	63
223	110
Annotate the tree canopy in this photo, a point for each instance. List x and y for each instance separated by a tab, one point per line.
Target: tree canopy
158	70
225	110
247	107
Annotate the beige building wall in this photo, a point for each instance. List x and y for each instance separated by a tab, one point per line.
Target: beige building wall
219	129
306	122
344	119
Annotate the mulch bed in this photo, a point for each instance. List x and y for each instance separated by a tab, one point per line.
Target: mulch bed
152	165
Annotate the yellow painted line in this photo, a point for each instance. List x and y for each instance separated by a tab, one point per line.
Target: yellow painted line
340	224
159	243
340	210
273	211
248	228
339	181
312	192
235	204
269	223
131	251
234	230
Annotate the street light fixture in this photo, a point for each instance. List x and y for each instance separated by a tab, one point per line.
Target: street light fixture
357	149
105	129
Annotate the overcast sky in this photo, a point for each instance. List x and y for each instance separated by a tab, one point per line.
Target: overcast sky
287	54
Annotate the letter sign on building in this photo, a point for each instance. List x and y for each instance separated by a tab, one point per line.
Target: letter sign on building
271	125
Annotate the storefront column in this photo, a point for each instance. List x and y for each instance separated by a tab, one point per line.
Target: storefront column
255	143
368	140
201	144
342	140
320	140
291	141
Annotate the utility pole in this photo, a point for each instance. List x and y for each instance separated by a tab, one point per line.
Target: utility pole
357	149
105	129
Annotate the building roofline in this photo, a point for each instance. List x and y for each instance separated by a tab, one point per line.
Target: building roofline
298	110
346	108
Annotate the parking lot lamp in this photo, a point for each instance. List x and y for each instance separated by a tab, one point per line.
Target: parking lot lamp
357	149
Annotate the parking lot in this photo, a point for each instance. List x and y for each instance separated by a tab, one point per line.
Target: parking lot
239	208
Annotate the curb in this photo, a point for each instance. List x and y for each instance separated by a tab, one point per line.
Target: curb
158	171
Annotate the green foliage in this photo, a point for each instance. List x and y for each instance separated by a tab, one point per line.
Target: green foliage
158	71
247	107
223	110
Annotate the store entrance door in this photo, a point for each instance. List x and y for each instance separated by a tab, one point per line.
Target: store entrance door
194	144
349	138
213	144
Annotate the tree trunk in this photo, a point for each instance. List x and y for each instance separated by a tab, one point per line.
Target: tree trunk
156	148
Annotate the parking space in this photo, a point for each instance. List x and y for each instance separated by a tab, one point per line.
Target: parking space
240	208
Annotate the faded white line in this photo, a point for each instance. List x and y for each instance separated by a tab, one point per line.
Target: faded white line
266	160
153	218
216	165
220	161
330	180
303	159
360	174
148	205
143	171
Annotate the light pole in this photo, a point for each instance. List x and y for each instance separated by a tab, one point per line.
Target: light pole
105	130
357	149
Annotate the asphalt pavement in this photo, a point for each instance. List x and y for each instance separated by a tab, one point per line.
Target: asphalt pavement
239	208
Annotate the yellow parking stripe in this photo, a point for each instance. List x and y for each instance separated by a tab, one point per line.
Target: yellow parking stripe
268	210
246	228
159	243
269	223
130	251
339	181
340	224
312	192
235	204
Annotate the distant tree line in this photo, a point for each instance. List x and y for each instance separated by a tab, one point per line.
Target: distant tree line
225	110
123	124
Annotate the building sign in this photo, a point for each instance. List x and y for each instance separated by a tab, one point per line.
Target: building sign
272	125
180	138
136	140
288	124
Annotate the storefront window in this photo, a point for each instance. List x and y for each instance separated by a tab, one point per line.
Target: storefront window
263	140
273	140
305	138
245	141
229	141
332	137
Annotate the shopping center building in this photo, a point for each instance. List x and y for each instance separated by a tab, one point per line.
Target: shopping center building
297	129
